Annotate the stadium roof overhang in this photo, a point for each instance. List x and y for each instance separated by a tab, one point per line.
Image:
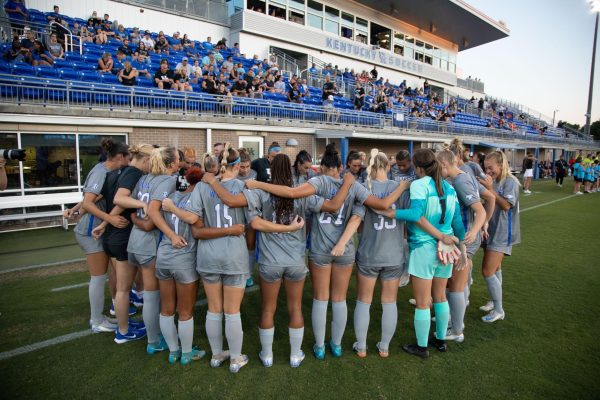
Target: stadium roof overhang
452	20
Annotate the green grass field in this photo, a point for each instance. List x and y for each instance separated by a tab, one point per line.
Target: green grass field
546	347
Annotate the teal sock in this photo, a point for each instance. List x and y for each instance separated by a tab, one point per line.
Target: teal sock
442	313
422	325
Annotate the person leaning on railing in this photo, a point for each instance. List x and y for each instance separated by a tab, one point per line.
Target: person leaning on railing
128	75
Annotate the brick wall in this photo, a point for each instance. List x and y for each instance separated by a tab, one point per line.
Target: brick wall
180	138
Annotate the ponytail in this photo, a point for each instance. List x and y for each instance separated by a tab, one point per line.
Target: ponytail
377	162
209	162
331	158
425	159
161	159
139	151
446	155
228	158
113	149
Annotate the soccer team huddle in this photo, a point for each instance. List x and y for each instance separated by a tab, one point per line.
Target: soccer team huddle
166	223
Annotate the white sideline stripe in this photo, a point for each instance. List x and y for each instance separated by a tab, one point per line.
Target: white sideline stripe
547	203
78	285
42	265
75	335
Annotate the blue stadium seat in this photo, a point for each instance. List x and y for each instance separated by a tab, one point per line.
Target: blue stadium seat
24	69
110	79
90	76
46	72
63	64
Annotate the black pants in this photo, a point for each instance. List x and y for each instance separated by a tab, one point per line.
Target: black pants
559	178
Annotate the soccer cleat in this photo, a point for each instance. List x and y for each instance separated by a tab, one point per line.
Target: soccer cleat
174	356
130	336
193	355
493	316
218	359
249	282
132	310
295	361
489	306
412	302
137	324
267	361
361	353
578	193
450	336
440	345
336	350
136	299
319	352
153	348
416	350
382	353
104	326
238	363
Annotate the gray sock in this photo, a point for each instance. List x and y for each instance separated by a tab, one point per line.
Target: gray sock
389	319
150	314
456	301
251	260
495	289
234	334
296	336
499	275
338	321
361	323
266	341
467	292
167	327
186	334
319	321
96	294
214	332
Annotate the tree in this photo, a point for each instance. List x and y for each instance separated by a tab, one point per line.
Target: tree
595	130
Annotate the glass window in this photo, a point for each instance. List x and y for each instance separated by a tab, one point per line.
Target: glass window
299	4
284	2
428	60
436	62
347	33
361	37
297	17
419	56
398	50
9	141
451	67
332	27
50	161
348	17
277	12
90	151
332	13
257	5
444	64
452	57
315	6
419	45
409	40
443	55
408	52
428	49
362	23
315	21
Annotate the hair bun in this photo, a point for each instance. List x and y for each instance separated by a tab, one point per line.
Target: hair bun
330	149
107	144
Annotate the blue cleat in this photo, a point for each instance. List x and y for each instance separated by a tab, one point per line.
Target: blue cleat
194	355
130	336
139	325
319	352
336	350
132	310
174	356
249	282
136	299
161	345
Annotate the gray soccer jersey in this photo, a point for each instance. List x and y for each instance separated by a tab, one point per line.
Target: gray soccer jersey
475	168
473	172
251	175
382	239
300	179
280	249
93	184
467	191
149	187
328	228
398	176
504	226
225	255
168	257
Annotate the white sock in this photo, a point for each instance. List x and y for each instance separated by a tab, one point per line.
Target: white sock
338	321
234	334
389	320
150	314
361	323
186	334
214	332
296	336
96	295
319	321
167	327
266	341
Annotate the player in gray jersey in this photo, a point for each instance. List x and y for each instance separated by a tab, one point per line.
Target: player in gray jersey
474	217
281	256
177	276
145	236
402	170
97	260
332	252
380	255
302	169
244	174
504	228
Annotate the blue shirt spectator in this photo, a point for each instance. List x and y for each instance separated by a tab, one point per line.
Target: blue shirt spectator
16	12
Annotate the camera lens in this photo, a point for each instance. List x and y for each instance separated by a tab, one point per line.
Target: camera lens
12	154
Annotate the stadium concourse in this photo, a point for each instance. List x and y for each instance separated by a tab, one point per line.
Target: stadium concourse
323	145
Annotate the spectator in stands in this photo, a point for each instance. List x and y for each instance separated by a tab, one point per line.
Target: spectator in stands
347	74
147	41
303	88
336	71
208	45
141	66
228	64
121	34
374	73
105	63
313	69
94	20
359	96
163	77
17	53
161	46
279	85
196	70
17	14
100	36
142	50
55	48
175	42
54	15
27	43
125	49
122	57
85	35
236	49
186	43
209	85
332	114
182	80
262	166
128	75
40	56
185	65
240	87
106	27
221	44
134	37
294	95
329	88
380	102
426	87
209	59
327	70
255	89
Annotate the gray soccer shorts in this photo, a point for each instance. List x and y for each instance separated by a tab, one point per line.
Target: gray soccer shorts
183	276
237	280
88	244
275	273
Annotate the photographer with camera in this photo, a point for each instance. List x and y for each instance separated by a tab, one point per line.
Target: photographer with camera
3	178
9	154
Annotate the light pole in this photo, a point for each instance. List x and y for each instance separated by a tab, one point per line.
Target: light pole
554	117
595	4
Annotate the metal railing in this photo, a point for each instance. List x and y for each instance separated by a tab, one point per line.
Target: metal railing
214	10
285	61
471	84
58	93
42	33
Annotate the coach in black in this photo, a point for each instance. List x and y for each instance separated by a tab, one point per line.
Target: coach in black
262	166
560	170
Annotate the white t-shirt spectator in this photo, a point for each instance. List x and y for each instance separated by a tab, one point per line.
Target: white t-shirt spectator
189	68
148	42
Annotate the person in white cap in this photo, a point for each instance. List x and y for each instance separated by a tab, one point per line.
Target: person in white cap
184	64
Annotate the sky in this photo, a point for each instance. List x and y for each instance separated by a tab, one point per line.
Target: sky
545	62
